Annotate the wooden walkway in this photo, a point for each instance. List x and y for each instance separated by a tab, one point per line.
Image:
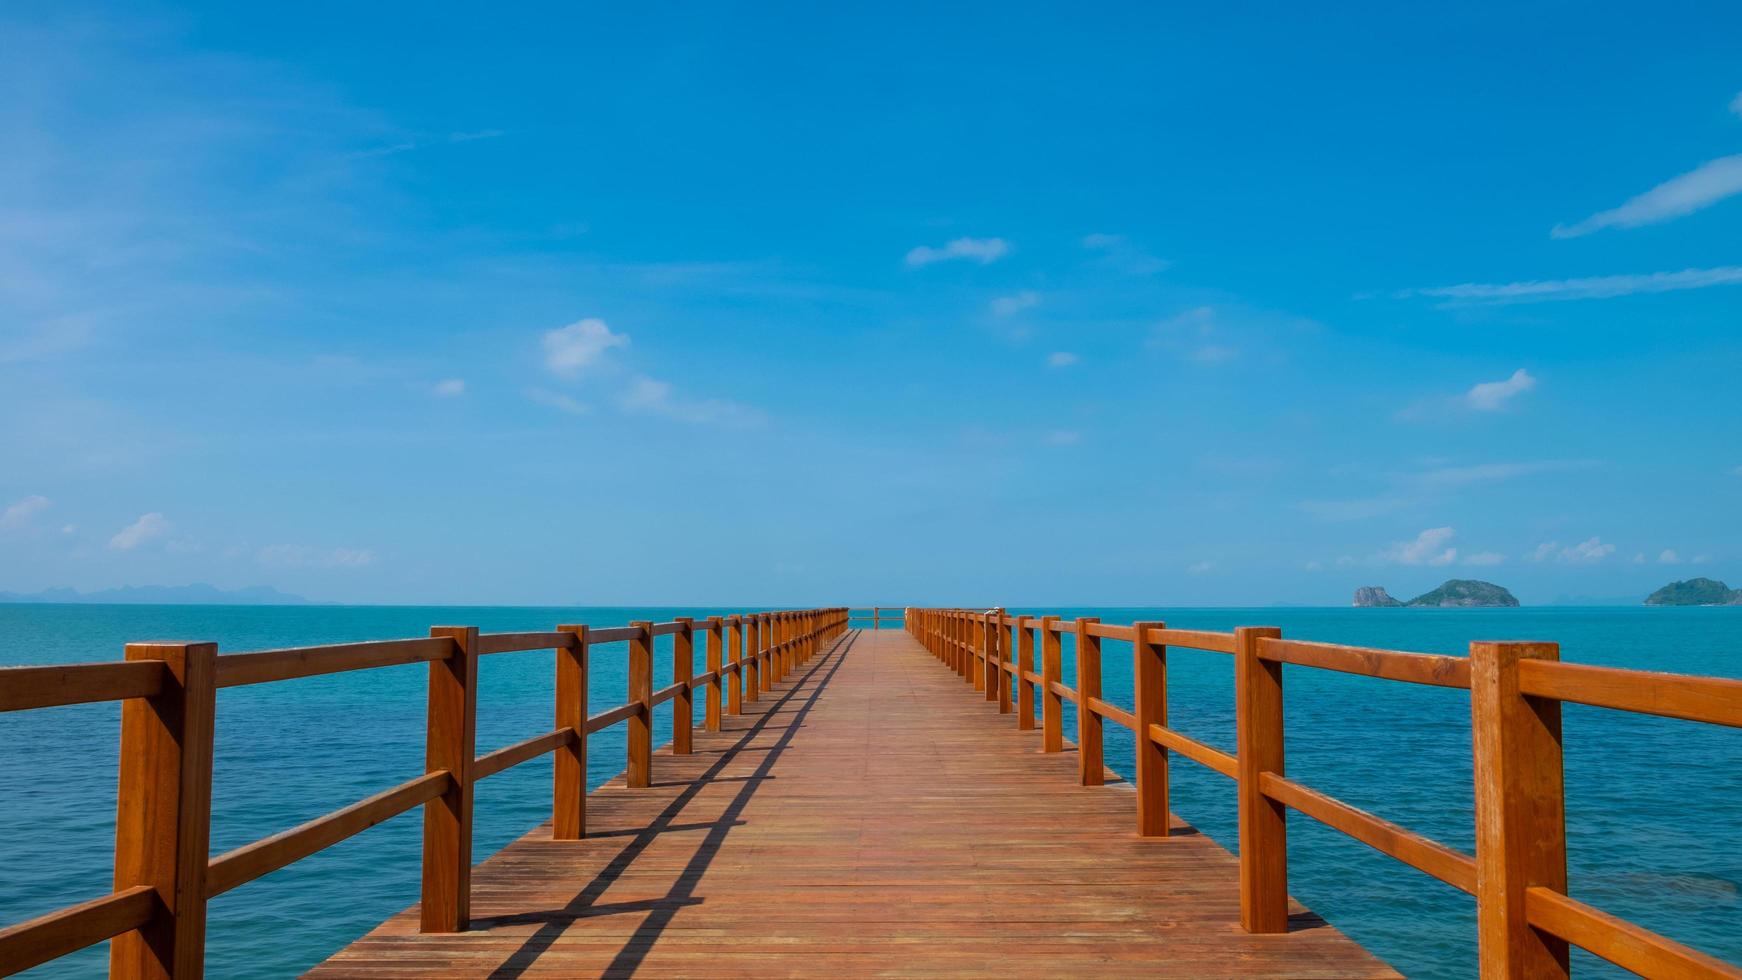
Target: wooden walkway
871	816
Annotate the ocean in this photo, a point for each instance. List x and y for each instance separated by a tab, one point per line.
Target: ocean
1654	806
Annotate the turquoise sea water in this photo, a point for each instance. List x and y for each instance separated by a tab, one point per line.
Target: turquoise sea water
1654	806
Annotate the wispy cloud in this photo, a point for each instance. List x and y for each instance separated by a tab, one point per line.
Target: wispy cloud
1585	552
981	250
1011	305
1669	557
21	513
1736	104
1063	437
1199	567
406	146
450	388
1491	396
1593	287
303	556
557	400
1118	253
1455	477
148	527
1197	335
572	349
1695	190
647	396
1427	548
1061	359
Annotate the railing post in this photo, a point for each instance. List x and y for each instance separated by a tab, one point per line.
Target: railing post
1024	667
989	650
1091	771
1001	640
569	815
1521	834
683	668
716	666
639	774
764	641
752	657
164	812
1052	706
1263	821
735	639
876	620
1149	674
450	743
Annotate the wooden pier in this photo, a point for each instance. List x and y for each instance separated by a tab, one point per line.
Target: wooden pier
858	801
865	817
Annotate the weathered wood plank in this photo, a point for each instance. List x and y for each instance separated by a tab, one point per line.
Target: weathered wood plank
820	831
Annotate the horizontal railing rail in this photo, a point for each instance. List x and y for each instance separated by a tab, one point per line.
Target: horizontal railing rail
1518	875
876	616
164	874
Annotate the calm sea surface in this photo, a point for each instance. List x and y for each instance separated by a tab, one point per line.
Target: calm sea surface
1654	806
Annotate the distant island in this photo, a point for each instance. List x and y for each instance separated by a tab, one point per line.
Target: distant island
1695	592
196	594
1455	593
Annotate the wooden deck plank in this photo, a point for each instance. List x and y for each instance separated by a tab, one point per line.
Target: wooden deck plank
871	816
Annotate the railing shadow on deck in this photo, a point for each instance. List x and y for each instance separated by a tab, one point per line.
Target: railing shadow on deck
662	910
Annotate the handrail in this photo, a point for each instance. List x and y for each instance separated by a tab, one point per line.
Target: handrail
167	692
1515	689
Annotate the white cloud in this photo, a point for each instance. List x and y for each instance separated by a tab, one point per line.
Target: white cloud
146	528
450	388
1427	548
1736	104
1199	568
557	400
1119	253
648	396
1491	396
1669	557
1586	552
303	556
1485	558
1695	190
1594	287
1061	358
572	349
21	513
981	250
1542	552
1011	305
1453	477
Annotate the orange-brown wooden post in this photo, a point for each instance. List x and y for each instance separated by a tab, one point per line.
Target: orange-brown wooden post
640	772
752	656
1263	821
965	645
569	815
450	742
1091	771
988	629
1003	636
717	667
976	649
1052	706
683	668
1024	667
735	639
1521	834
1149	673
163	814
770	637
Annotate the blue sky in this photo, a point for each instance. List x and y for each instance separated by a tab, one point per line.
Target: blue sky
986	304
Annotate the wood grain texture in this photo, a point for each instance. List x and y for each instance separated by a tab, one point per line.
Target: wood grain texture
1259	749
820	832
450	741
569	782
163	812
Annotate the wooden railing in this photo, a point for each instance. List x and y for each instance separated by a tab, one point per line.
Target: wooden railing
875	617
164	874
1518	875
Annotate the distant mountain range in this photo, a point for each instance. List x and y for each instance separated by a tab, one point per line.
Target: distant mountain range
196	594
1695	592
1457	592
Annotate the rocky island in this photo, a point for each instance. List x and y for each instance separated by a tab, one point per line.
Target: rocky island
1695	592
1455	593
